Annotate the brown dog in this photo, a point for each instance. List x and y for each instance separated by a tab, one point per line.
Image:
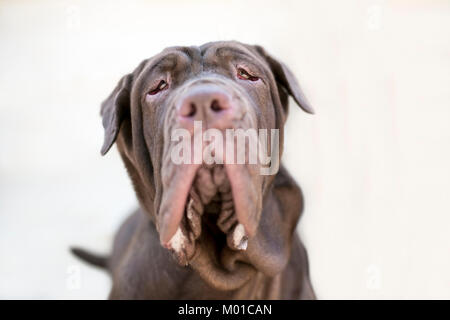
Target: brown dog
231	230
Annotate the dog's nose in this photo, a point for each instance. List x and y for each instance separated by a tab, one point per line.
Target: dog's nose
206	103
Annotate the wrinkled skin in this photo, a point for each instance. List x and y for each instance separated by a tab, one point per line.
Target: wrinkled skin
205	231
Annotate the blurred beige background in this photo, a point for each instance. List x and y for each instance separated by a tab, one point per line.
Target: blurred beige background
373	162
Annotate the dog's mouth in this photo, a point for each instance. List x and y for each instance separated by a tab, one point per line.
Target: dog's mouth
208	205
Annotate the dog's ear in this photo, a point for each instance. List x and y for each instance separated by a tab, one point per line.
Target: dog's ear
114	109
285	78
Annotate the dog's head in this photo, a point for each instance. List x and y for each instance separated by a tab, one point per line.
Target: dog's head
181	106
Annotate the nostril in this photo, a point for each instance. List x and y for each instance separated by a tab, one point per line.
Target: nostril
191	110
215	106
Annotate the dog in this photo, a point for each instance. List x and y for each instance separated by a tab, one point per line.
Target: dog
204	231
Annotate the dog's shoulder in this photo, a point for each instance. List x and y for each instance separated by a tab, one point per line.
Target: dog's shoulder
138	259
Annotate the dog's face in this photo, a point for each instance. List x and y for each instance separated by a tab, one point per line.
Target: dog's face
206	213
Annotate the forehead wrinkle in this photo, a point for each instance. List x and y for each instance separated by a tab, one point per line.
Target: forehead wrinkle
168	59
234	53
222	51
165	63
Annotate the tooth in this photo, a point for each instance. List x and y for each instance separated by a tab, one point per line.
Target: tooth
177	242
238	239
243	244
190	209
194	218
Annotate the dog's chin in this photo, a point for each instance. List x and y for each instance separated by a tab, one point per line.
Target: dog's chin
216	220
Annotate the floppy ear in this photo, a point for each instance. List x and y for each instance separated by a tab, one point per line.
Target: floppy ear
114	109
285	77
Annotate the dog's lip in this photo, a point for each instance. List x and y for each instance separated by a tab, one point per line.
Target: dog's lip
238	189
172	213
174	202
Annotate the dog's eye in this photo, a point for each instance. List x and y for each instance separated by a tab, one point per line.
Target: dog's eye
161	86
244	75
